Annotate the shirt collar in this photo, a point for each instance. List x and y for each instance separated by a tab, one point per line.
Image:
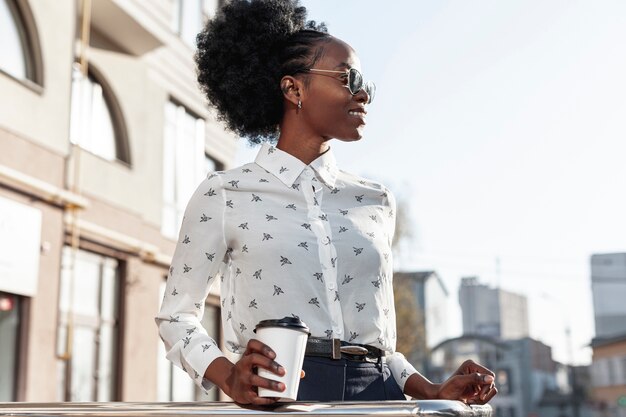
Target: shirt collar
288	168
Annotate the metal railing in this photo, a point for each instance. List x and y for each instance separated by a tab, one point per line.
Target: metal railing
433	408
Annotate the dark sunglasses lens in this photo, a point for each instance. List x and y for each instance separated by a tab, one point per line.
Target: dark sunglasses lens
370	89
355	81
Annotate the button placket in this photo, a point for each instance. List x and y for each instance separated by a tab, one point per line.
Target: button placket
313	192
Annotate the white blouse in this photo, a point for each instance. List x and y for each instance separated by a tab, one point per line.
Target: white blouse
284	239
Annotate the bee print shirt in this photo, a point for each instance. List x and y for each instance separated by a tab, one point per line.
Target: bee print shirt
283	239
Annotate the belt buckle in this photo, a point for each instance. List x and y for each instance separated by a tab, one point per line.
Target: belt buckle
336	349
354	350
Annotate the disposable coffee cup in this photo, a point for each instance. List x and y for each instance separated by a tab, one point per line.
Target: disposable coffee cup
287	337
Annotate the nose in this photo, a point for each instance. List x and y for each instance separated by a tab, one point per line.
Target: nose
362	96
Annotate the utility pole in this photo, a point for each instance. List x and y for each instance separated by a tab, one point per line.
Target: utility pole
574	393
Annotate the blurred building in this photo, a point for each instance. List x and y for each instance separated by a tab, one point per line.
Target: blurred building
530	383
608	286
103	158
492	311
608	371
421	300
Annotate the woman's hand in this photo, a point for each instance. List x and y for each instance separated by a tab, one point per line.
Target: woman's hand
241	382
471	383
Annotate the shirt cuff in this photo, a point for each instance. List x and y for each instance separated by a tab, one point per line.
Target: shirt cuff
400	368
197	360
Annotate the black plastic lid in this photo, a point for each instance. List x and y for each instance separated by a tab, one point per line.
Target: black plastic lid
293	323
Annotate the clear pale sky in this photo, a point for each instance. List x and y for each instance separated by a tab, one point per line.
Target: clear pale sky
502	126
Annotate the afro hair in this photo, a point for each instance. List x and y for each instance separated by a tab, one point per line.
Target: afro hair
242	54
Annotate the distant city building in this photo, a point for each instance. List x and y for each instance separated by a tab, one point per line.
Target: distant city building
530	382
492	311
608	375
421	310
608	286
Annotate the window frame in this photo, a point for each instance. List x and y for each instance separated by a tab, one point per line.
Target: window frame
120	132
170	191
20	305
30	46
203	15
79	321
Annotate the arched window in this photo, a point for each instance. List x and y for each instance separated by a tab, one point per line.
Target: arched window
20	53
96	121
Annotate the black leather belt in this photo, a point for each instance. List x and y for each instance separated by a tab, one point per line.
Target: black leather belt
338	349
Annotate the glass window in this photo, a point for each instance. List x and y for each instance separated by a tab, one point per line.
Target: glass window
189	16
91	123
211	165
183	164
88	308
173	383
13	52
9	336
504	382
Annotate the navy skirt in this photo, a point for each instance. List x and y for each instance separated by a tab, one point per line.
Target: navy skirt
346	380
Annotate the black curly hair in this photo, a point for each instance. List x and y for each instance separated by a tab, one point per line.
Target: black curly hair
245	50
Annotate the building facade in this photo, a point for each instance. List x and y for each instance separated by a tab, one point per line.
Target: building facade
492	311
103	137
608	287
530	383
608	376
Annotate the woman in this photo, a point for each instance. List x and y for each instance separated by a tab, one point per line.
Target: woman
291	234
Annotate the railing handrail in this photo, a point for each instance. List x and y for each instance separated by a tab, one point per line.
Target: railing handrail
214	409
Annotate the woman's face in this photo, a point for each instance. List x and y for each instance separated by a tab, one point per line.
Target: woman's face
328	107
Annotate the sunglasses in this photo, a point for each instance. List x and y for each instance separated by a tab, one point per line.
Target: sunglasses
355	79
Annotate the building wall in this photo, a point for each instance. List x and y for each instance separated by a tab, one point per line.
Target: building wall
49	105
608	285
480	307
609	374
513	315
122	216
492	311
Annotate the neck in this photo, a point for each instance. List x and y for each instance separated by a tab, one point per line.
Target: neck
301	143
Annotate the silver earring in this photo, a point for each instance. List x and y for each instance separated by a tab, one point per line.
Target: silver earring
299	104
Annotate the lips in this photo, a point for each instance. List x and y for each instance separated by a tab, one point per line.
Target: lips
358	113
360	110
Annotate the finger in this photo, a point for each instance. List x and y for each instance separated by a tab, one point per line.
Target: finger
264	400
483	400
259	361
492	392
472	382
302	374
255	346
260	382
484	390
253	398
470	366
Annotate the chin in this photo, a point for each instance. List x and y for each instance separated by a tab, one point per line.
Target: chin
352	136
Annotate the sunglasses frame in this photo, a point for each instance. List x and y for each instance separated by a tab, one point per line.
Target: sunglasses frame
372	86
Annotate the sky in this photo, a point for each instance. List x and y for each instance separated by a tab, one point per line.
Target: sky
500	127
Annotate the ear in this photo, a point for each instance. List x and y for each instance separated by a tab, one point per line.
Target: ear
292	89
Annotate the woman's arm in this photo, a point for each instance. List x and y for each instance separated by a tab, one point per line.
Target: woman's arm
471	383
199	252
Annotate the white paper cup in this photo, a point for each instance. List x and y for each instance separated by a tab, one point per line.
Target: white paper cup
287	337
